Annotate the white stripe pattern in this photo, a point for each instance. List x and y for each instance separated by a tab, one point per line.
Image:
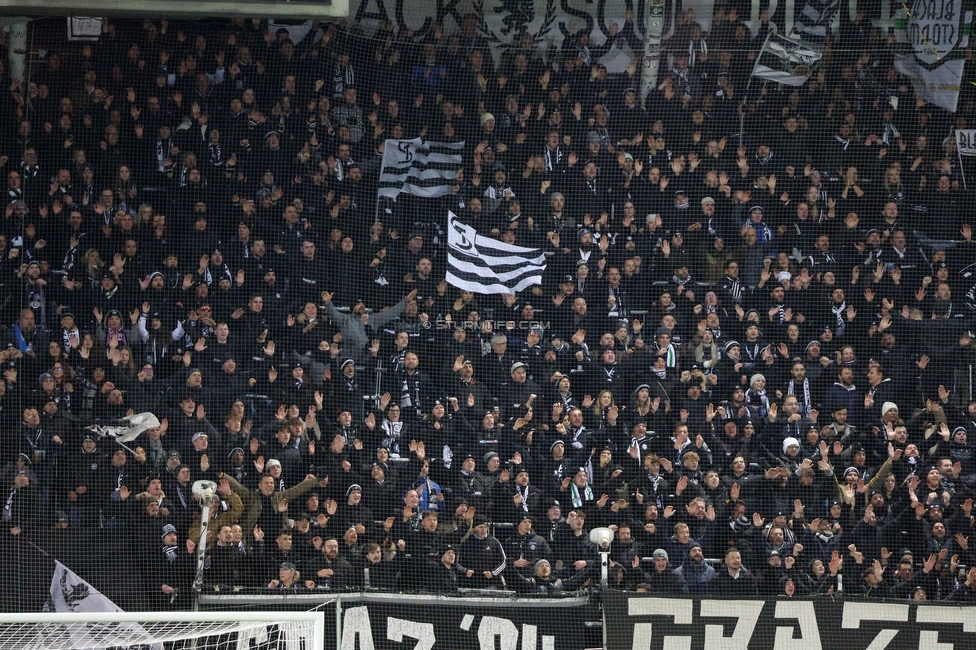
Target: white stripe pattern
483	265
426	169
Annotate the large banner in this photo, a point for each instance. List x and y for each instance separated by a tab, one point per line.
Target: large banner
400	621
528	625
938	32
640	622
549	22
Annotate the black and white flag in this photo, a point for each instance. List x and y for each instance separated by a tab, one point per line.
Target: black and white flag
815	19
427	169
786	60
938	33
70	593
484	265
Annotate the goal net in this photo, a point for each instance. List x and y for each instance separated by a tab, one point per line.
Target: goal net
164	630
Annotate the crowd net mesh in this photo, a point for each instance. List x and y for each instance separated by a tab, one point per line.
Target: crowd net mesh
412	307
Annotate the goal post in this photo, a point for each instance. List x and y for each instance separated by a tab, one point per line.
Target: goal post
124	630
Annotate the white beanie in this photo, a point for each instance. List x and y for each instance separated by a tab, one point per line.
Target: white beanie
887	406
790	441
756	376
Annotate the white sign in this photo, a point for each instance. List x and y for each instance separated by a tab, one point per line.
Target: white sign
966	142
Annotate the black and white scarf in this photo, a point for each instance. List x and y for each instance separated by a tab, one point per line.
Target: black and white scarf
553	158
392	433
759	400
216	160
805	401
525	497
734	287
838	312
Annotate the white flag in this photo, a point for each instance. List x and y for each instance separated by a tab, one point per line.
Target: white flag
786	61
484	265
70	593
938	32
966	142
426	169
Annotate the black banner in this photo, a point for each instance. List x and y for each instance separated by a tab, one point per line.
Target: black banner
429	622
638	622
459	625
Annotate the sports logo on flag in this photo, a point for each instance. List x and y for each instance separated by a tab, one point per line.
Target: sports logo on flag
71	593
786	61
418	168
815	19
938	33
483	265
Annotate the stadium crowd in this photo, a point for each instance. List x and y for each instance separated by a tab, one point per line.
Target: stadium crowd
758	352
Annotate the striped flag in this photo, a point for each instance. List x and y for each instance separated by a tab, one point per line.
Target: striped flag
483	265
426	169
815	19
786	61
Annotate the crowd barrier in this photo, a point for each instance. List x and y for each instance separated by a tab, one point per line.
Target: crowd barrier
379	621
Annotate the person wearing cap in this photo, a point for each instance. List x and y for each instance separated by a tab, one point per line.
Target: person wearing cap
68	331
289	579
520	390
481	557
202	459
757	399
663	580
352	512
524	549
779	564
498	195
81	479
695	572
168	571
542	581
442	573
111	329
468	485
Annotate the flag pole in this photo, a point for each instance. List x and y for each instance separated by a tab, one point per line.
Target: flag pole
962	167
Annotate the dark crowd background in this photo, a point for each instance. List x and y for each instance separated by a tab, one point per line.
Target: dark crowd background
751	357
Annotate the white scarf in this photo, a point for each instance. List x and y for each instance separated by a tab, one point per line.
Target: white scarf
838	312
807	402
758	398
